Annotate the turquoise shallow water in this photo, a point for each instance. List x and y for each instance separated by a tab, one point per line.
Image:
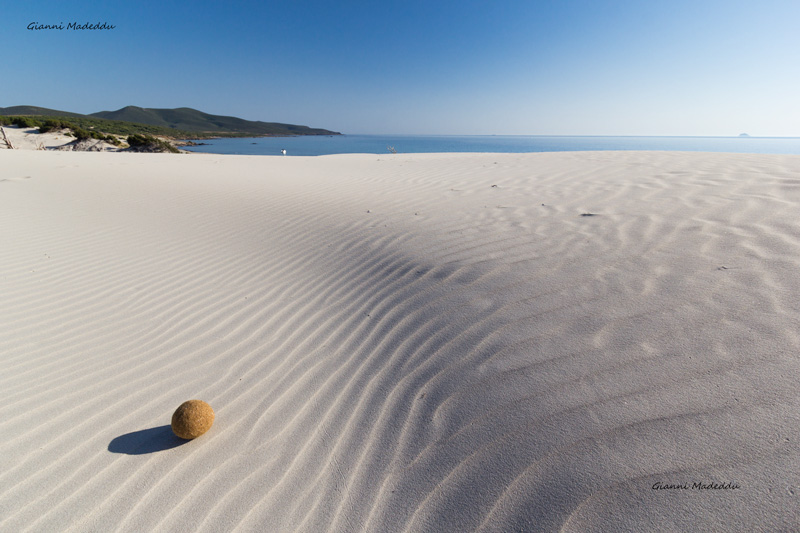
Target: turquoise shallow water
382	144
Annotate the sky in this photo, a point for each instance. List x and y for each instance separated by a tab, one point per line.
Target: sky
473	67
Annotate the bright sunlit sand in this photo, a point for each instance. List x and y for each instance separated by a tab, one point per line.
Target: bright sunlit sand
31	139
440	342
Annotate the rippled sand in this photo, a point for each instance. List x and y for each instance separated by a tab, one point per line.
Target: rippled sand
438	342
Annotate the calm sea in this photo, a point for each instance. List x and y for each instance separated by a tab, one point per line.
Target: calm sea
384	144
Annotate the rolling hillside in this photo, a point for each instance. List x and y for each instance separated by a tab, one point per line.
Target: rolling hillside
30	110
184	118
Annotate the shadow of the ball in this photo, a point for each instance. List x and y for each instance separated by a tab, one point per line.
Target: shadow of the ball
144	441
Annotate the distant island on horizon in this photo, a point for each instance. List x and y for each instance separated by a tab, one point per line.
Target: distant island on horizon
178	123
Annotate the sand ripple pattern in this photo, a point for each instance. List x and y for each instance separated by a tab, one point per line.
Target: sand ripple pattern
438	342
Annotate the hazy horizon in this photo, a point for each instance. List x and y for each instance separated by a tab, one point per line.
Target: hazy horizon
390	134
615	68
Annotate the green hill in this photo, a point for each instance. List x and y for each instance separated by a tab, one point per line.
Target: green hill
179	123
30	110
184	118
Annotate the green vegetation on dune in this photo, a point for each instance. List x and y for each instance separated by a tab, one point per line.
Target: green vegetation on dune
113	127
22	122
146	143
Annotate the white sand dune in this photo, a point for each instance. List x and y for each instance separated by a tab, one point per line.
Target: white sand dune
436	342
31	139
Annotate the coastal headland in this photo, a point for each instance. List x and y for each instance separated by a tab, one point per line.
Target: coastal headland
137	128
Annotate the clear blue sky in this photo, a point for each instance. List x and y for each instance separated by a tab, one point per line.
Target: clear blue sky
586	67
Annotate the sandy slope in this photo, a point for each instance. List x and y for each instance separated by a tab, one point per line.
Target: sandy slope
31	139
400	343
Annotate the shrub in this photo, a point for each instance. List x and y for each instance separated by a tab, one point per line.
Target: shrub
53	124
81	134
147	143
137	140
25	122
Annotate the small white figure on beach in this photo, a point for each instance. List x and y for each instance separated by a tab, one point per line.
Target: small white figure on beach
283	151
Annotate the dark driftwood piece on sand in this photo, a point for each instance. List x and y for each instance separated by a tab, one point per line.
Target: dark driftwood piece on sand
5	138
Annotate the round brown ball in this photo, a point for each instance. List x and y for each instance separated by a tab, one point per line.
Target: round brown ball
192	419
